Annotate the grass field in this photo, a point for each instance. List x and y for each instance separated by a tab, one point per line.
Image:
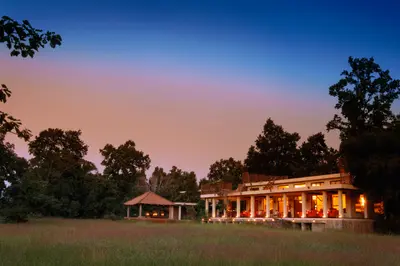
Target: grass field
58	242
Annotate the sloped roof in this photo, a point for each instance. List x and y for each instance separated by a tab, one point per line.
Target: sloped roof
149	198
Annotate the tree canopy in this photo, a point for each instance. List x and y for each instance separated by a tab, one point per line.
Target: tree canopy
365	95
227	170
275	151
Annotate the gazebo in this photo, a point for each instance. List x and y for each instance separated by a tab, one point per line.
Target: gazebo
151	198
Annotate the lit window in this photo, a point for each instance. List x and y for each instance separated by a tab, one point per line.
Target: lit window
299	185
317	184
283	187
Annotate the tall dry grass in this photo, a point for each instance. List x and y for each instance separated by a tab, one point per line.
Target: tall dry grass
58	242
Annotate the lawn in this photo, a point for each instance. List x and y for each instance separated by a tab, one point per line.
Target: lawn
58	242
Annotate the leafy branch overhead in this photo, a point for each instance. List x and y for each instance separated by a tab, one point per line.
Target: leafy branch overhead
23	40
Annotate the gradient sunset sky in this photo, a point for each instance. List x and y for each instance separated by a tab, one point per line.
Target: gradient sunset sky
191	82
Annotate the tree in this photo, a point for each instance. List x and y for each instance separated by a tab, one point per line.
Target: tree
316	157
275	152
228	170
12	169
369	130
157	179
180	185
22	39
373	159
59	172
364	97
124	166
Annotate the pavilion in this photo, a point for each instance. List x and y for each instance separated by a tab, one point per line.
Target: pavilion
151	198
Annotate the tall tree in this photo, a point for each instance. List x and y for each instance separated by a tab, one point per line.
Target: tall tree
316	157
227	170
369	129
124	166
59	170
23	40
275	152
365	96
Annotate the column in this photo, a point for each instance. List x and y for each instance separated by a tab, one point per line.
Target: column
140	210
325	204
292	206
284	205
350	208
303	205
128	210
366	205
179	212
171	212
252	210
267	207
238	207
340	203
213	208
206	210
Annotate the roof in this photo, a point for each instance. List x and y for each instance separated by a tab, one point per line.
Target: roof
149	198
185	203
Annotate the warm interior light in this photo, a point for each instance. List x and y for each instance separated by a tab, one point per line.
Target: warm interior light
362	200
314	197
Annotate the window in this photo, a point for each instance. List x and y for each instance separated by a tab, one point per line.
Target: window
318	184
283	187
336	182
335	201
299	185
360	204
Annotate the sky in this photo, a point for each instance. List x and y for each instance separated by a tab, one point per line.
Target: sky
191	82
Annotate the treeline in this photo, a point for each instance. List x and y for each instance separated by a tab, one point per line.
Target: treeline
58	181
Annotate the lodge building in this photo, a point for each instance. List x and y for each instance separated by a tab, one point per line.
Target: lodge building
314	202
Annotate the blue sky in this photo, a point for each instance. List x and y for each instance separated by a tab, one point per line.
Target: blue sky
306	41
277	58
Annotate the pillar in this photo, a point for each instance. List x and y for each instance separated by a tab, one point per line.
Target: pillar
238	207
171	212
128	210
179	212
340	203
206	209
267	207
325	204
285	205
213	208
291	203
350	208
140	210
366	207
252	209
303	205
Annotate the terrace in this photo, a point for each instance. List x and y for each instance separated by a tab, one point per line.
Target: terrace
313	199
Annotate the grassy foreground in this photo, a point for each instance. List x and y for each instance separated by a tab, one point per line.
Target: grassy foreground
58	242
